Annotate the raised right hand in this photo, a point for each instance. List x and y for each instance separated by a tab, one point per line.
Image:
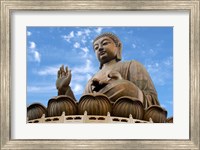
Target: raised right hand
63	78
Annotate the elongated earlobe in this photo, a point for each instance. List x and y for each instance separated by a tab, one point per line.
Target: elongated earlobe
119	52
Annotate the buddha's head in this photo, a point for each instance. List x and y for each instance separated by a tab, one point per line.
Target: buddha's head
107	47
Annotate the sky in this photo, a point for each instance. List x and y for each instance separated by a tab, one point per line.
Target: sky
50	47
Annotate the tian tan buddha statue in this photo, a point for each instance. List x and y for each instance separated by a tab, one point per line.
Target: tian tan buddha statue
119	89
122	88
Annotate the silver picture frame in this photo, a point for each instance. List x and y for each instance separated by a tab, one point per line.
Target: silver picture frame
8	6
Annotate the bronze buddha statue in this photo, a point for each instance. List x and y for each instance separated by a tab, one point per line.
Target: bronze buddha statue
122	89
115	79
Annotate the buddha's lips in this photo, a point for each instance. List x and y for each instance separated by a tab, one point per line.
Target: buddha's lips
102	53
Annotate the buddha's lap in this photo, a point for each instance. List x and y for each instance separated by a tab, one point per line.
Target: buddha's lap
119	88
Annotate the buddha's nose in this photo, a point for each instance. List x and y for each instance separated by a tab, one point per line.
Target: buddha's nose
100	48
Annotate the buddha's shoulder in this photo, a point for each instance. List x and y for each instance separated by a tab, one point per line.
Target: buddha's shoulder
130	62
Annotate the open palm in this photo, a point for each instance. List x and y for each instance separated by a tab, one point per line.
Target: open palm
63	78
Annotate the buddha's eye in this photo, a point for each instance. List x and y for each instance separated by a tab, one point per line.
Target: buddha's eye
96	47
105	43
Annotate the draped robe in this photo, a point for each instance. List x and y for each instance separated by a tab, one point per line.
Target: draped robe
136	75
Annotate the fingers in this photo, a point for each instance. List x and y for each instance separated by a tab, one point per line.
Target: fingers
58	74
95	81
63	71
66	69
68	74
114	75
103	82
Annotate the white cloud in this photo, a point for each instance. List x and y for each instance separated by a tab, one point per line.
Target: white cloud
29	33
163	106
160	71
85	49
69	36
78	77
32	45
33	88
83	35
98	30
88	76
134	46
160	43
37	56
49	70
83	41
77	45
156	64
41	89
166	103
151	51
168	61
87	32
34	52
88	65
86	68
170	102
77	89
79	33
77	72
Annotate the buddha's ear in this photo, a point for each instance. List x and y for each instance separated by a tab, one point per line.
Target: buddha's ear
119	52
119	45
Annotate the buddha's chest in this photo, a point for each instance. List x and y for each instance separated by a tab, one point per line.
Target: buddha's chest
102	74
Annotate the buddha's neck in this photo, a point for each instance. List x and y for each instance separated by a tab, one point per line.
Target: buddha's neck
108	64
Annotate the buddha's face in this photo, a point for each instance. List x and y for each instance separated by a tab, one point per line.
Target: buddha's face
105	49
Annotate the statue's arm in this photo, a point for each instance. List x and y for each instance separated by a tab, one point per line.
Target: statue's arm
63	81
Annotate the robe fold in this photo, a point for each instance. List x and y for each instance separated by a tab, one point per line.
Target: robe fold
138	79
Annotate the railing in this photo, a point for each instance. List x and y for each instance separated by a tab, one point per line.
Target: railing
87	119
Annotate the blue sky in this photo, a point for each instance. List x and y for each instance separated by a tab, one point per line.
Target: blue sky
50	47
